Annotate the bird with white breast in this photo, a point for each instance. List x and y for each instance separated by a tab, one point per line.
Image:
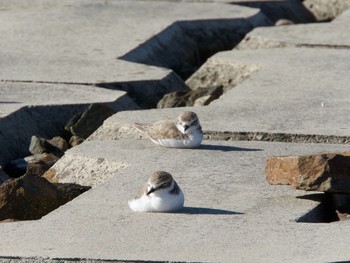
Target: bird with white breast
160	194
183	132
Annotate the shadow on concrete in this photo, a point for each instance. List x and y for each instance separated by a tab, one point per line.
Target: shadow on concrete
294	11
207	211
324	212
225	148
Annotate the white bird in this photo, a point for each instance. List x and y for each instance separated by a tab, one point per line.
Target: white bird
183	132
160	194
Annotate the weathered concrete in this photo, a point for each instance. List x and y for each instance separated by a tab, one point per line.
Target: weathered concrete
94	34
296	91
41	109
63	48
334	34
230	210
231	213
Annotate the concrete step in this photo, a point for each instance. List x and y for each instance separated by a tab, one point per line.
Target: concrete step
230	210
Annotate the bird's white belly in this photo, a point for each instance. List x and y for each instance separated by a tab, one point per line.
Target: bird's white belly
167	203
158	203
193	141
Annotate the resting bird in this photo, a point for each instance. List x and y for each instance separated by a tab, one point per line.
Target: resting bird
160	194
183	132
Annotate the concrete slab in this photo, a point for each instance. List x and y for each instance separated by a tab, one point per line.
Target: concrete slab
333	34
16	95
80	41
41	109
231	213
290	91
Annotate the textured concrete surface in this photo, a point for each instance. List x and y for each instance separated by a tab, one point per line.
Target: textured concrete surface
80	41
231	213
333	34
295	91
41	109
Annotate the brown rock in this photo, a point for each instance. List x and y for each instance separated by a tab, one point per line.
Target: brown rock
36	164
321	172
31	197
39	164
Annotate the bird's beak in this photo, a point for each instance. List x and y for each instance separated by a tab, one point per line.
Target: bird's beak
151	191
186	127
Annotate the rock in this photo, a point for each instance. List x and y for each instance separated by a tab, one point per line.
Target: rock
59	143
37	163
199	96
31	197
56	145
328	172
85	123
3	176
326	10
75	140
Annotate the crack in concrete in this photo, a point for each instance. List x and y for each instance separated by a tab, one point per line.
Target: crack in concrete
275	137
323	46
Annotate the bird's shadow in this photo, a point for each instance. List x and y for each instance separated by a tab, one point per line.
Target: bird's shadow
225	148
206	211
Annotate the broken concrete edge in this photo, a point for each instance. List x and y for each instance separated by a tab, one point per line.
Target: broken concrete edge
45	121
216	73
184	56
83	170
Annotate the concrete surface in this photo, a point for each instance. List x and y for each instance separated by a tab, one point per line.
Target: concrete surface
231	213
42	109
88	36
52	47
334	34
296	91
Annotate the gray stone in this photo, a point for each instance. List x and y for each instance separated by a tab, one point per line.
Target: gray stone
85	123
56	145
